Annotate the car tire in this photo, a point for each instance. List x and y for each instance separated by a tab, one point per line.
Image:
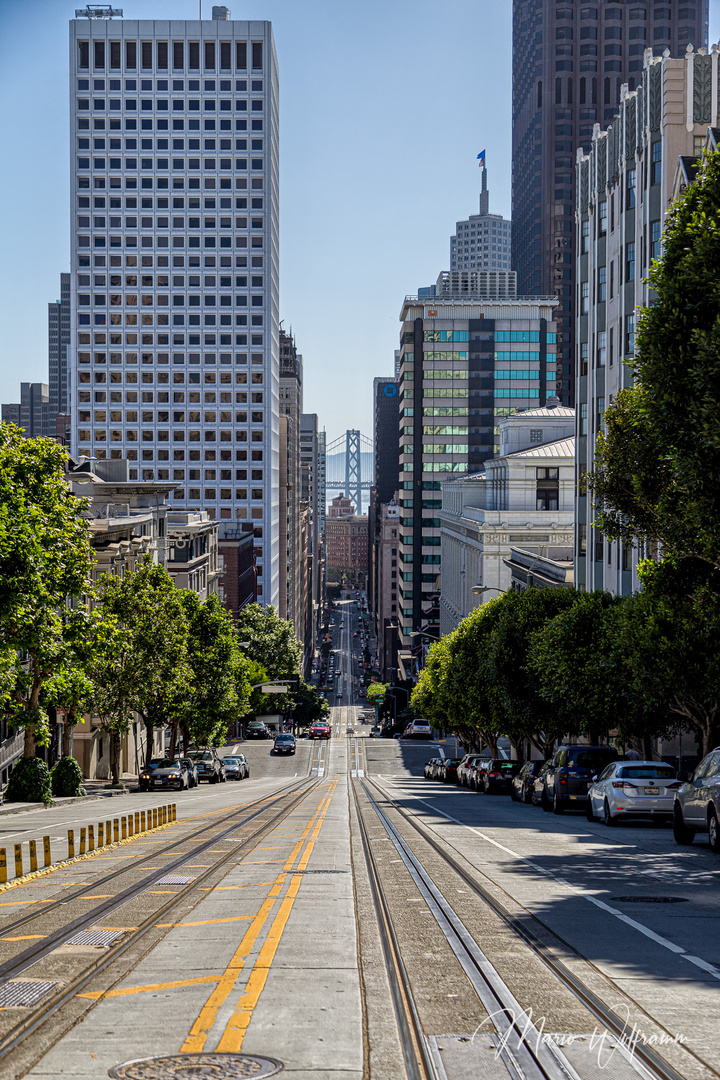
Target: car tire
589	811
513	795
682	833
545	802
179	786
557	806
608	817
714	830
527	795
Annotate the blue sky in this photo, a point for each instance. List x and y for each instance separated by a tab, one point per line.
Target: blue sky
384	106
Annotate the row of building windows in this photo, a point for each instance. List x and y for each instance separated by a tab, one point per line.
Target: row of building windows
163	104
163	124
159	54
162	202
183	300
163	85
100	143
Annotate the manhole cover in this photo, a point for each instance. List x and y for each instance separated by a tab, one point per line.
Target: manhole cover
95	937
196	1067
174	879
22	993
649	899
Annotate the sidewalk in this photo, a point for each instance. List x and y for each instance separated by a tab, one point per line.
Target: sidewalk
96	789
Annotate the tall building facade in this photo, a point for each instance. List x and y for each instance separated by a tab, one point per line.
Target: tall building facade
482	242
32	412
58	344
570	59
291	560
464	364
174	263
625	185
310	465
386	401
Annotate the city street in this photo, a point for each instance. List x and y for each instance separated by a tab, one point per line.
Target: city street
340	915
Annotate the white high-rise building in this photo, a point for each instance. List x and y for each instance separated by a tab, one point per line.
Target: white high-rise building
482	242
174	355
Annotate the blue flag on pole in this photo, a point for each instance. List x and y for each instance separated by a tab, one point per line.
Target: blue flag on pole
481	159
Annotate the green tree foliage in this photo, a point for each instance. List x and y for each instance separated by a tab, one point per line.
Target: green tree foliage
67	778
151	661
29	781
45	563
219	689
308	706
271	641
376	692
657	472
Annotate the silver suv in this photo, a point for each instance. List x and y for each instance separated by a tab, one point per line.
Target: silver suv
697	804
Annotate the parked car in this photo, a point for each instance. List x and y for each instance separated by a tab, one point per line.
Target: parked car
465	769
256	730
497	775
697	804
209	766
192	771
522	784
571	773
636	789
284	744
235	767
319	730
418	729
165	773
538	787
429	766
449	770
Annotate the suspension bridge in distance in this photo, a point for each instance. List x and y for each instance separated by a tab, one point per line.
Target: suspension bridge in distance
349	468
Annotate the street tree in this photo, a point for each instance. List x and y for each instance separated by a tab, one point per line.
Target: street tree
150	607
270	640
45	563
308	706
657	469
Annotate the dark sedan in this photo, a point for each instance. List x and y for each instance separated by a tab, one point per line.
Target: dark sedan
164	773
497	775
522	785
284	744
449	770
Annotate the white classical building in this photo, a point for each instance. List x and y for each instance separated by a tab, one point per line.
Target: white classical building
524	499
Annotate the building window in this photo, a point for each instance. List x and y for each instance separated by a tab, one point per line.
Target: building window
585	235
584	297
629	335
582	429
584	358
601	348
630	261
582	538
655	241
656	166
602	284
631	183
547	489
602	217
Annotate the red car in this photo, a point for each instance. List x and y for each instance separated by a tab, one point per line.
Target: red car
319	730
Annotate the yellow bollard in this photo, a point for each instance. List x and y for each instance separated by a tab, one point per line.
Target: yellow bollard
123	823
3	866
142	820
174	811
116	830
91	838
82	841
108	833
33	855
18	861
71	844
101	835
137	822
46	850
164	815
155	818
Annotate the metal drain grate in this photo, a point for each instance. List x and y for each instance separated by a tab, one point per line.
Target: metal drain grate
95	937
199	1066
649	899
174	879
22	993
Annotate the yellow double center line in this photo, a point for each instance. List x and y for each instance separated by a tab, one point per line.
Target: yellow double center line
234	1033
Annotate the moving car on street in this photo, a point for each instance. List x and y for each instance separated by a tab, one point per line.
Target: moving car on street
319	730
164	773
256	730
284	744
633	789
571	773
697	804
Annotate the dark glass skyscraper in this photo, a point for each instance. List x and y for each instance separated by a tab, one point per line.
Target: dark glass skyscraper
570	59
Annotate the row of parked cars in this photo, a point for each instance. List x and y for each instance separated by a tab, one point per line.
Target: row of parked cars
594	779
181	773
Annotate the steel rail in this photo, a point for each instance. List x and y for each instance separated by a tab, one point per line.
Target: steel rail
418	1062
649	1058
12	1038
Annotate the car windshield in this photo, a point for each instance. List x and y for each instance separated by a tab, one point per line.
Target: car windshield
200	755
591	759
285	738
452	761
647	772
154	763
230	760
168	763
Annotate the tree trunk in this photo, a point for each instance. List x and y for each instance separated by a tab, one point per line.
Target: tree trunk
115	757
70	717
173	737
148	740
29	748
185	738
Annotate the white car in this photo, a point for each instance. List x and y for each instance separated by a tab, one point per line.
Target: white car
638	789
418	729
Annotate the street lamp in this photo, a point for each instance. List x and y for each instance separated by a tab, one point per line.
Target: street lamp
476	590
